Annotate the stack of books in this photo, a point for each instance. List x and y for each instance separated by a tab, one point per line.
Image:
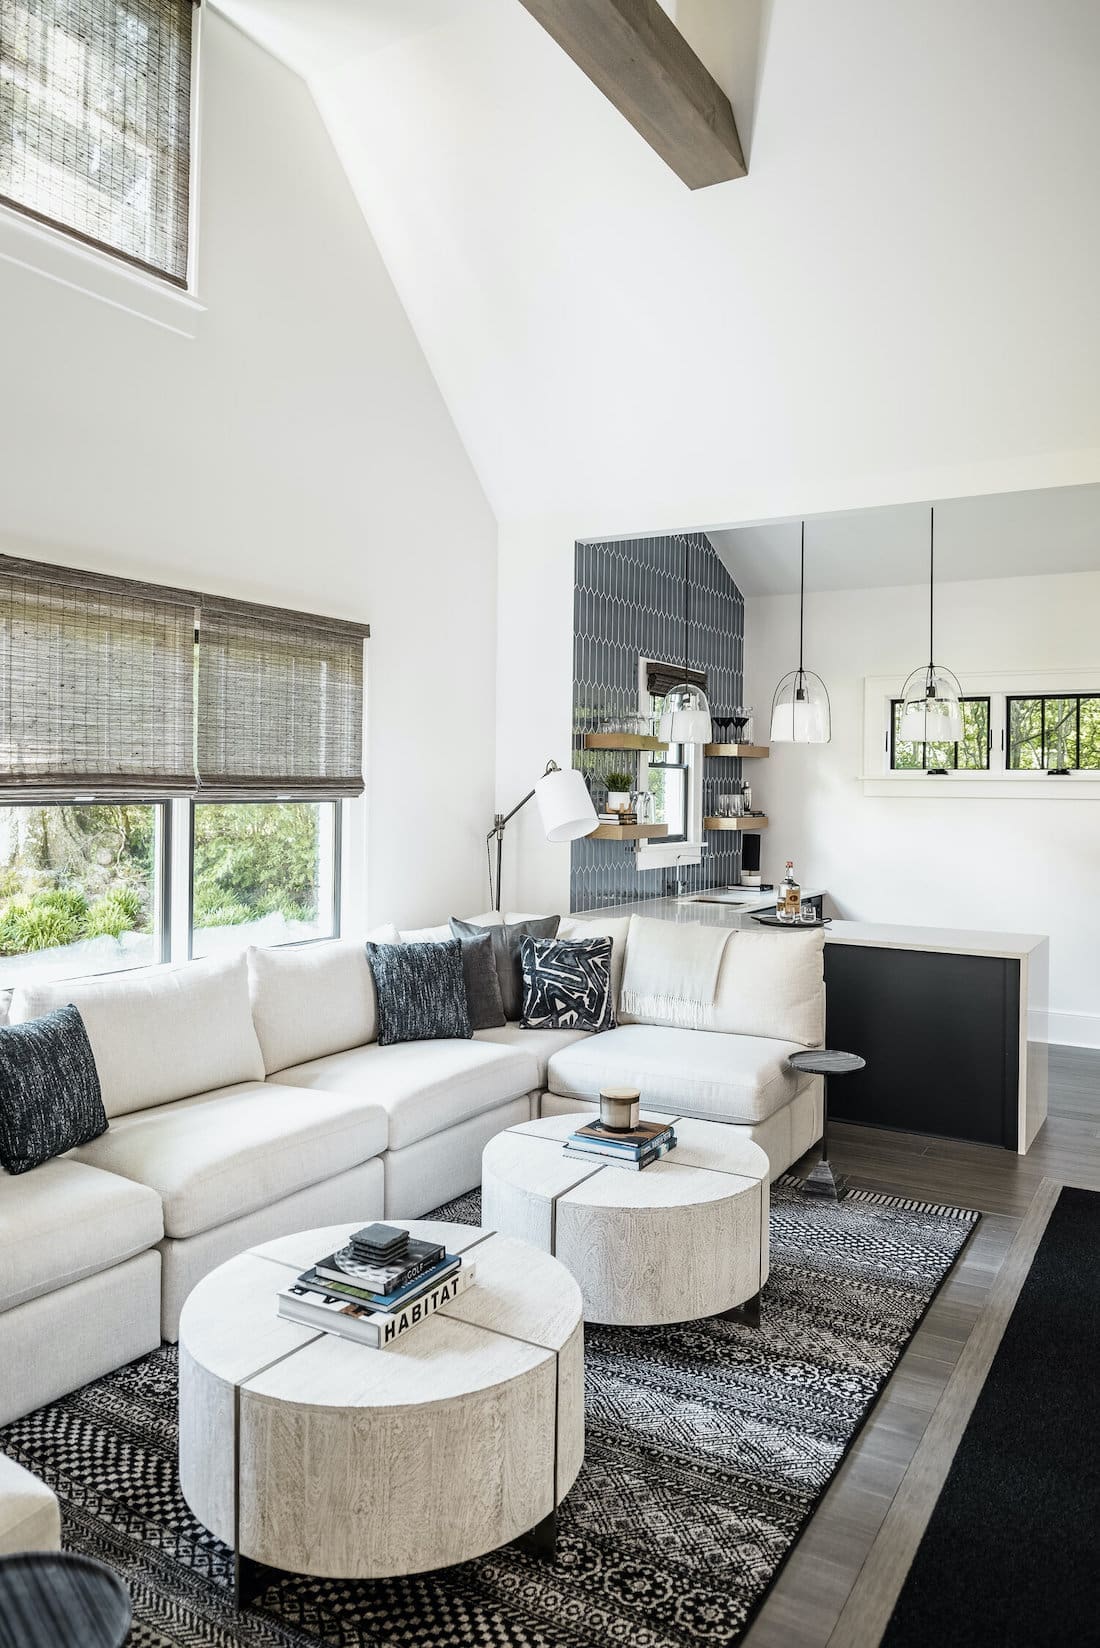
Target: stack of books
382	1285
615	1147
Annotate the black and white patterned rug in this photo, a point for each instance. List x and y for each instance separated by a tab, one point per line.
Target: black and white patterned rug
708	1446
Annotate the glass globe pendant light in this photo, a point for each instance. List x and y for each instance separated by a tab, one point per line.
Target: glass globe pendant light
801	713
930	709
686	715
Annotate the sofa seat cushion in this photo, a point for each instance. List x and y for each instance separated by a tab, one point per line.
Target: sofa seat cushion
694	1072
30	1517
220	1155
159	1033
65	1221
423	1086
540	1044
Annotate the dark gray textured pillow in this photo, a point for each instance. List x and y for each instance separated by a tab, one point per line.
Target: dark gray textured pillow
49	1090
506	942
421	992
567	984
479	969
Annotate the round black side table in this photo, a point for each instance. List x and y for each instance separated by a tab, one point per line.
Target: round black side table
51	1599
826	1062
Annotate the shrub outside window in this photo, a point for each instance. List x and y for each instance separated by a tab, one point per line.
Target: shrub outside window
263	873
80	889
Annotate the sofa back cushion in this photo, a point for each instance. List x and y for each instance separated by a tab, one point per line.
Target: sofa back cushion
162	1033
613	927
769	984
311	1000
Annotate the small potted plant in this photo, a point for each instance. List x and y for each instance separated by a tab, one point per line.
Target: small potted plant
619	787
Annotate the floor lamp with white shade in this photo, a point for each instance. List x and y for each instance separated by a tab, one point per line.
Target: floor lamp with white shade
565	808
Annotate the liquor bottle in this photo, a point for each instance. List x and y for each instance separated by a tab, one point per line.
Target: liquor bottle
789	901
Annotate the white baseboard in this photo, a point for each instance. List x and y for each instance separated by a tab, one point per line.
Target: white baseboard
1065	1029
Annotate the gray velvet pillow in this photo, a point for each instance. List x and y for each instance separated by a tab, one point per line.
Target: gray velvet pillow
506	941
421	992
479	969
49	1090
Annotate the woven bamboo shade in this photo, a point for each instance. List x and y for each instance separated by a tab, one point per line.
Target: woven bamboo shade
96	686
117	689
280	704
661	678
95	122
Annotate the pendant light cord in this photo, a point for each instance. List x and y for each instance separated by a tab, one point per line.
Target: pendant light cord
931	586
801	600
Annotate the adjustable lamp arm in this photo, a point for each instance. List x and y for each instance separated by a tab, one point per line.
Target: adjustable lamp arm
497	833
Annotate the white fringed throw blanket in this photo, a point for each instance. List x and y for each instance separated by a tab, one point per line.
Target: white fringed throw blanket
671	972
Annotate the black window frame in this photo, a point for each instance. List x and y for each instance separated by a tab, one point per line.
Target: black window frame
968	698
1043	699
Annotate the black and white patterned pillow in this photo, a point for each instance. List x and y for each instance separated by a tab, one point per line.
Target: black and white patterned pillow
49	1090
567	984
421	992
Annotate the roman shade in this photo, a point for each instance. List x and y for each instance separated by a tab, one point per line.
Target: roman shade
661	678
280	704
96	685
95	105
113	689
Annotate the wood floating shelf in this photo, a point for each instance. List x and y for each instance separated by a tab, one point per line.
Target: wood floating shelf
743	823
745	751
628	832
622	741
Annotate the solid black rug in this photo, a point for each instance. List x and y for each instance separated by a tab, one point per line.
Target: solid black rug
1011	1556
707	1447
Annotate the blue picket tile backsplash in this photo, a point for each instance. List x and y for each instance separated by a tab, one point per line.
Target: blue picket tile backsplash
628	603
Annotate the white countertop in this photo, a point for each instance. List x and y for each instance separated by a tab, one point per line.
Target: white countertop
955	941
881	935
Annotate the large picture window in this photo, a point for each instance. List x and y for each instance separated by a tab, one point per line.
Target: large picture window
263	873
95	123
81	889
174	770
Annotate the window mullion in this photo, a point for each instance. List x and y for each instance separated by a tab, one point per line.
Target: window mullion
179	882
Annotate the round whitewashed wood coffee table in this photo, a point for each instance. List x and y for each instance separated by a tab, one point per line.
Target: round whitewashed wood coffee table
313	1454
682	1239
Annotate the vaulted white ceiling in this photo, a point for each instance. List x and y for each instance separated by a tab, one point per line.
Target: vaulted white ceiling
1001	535
898	302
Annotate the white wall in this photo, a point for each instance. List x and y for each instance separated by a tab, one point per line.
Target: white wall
1019	865
296	451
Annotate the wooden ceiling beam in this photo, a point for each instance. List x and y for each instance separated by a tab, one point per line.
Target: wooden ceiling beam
641	62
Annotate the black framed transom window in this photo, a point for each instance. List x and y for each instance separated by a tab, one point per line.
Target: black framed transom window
970	754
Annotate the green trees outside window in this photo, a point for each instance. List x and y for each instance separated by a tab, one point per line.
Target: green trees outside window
1054	734
80	879
82	886
267	867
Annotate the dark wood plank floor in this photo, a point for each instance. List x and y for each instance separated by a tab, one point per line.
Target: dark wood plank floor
803	1607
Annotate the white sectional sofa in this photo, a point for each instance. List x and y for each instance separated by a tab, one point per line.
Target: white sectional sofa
248	1098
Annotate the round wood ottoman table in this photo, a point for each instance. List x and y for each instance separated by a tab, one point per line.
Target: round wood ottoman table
684	1238
314	1454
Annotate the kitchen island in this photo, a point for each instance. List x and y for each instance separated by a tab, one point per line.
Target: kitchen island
940	1014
